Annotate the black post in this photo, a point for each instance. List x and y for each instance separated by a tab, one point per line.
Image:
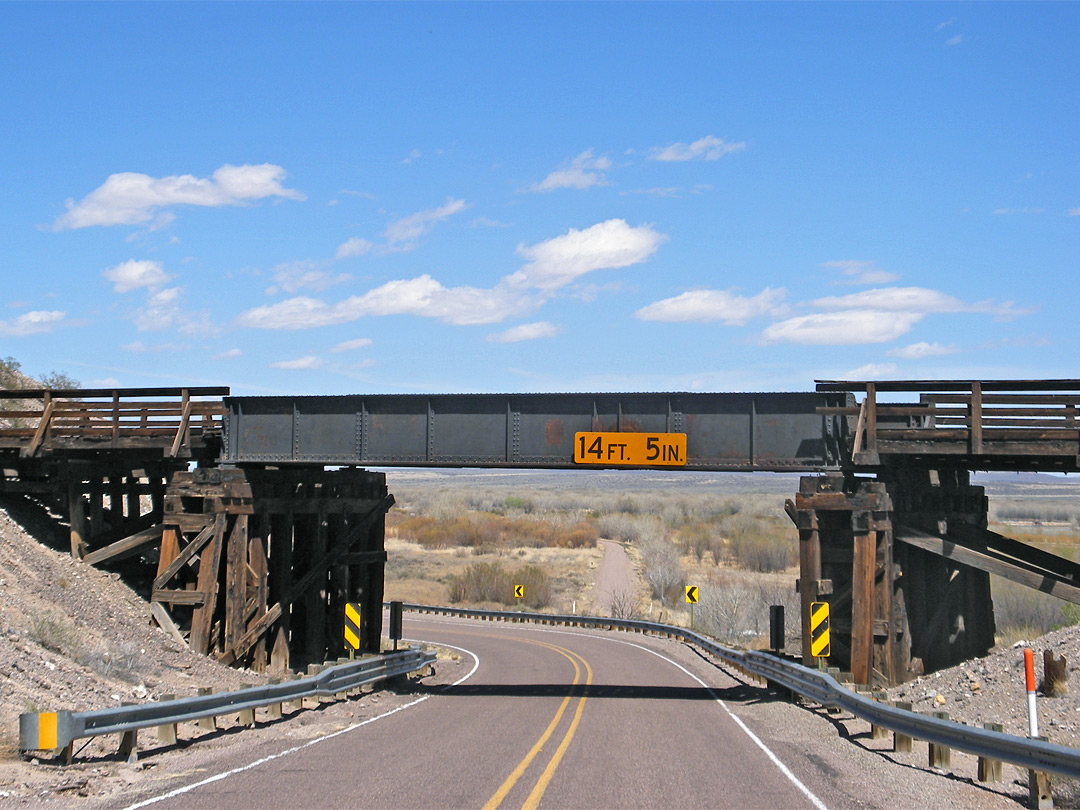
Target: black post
776	628
395	623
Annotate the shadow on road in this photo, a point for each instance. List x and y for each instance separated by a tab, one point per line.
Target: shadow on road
735	694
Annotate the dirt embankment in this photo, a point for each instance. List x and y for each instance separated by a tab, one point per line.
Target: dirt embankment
77	638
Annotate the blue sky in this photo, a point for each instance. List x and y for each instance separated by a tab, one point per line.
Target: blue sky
353	198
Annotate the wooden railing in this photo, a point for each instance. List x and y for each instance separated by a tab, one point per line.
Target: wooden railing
119	418
1013	421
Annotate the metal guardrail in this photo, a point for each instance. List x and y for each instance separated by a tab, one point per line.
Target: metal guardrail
57	730
824	689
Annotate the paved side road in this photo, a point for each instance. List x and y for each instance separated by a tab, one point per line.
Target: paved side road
547	717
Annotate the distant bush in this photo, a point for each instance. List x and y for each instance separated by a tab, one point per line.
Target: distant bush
489	531
1022	612
761	543
696	539
662	570
735	608
492	582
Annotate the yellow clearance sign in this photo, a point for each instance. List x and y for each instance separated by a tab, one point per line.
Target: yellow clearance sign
630	449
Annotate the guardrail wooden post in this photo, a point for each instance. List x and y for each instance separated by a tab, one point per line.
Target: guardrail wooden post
246	717
1040	796
879	732
299	702
129	746
990	769
275	709
902	743
167	732
940	756
206	723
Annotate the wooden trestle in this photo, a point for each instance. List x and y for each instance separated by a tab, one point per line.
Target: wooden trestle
897	610
256	566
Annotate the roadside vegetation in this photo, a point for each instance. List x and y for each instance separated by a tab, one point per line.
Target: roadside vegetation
470	544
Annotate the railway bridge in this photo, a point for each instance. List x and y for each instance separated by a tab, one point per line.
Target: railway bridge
250	521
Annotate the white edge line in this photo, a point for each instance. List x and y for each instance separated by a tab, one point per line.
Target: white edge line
218	777
820	805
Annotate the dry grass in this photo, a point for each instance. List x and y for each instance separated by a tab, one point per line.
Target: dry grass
416	573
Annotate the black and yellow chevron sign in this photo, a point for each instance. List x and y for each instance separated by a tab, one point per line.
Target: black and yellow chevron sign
819	630
519	591
691	594
352	625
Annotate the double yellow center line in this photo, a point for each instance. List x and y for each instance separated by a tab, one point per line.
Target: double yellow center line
545	778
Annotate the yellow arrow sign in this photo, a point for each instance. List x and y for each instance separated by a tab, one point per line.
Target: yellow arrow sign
691	594
820	641
352	625
519	591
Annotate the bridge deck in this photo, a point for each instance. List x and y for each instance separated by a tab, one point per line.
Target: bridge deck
971	424
761	431
173	422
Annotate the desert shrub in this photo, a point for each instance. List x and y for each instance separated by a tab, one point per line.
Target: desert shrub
662	571
761	543
518	503
624	604
54	631
1022	612
488	531
696	539
622	527
492	582
735	609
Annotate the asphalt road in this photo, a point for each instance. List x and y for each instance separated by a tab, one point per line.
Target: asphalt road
547	718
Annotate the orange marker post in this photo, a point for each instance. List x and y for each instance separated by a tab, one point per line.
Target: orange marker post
1029	672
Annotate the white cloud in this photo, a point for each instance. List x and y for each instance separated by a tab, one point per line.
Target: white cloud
1011	211
309	362
404	233
401	235
133	274
140	347
422	296
703	306
304	274
946	24
354	247
228	354
559	261
370	362
414	154
582	172
553	264
487	222
955	40
129	198
917	351
916	299
861	272
707	148
842	328
871	371
1074	212
526	331
674	192
352	345
32	323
